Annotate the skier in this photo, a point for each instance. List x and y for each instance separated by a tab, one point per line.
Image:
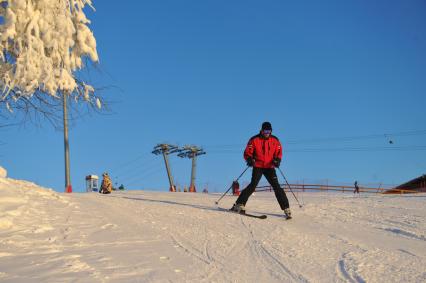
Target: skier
263	153
235	188
356	187
106	186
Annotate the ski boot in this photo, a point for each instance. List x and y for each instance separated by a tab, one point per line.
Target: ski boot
238	208
287	213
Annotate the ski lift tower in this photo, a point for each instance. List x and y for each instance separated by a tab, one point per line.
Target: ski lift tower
166	149
191	151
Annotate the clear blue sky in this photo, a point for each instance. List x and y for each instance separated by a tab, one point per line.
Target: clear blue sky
210	72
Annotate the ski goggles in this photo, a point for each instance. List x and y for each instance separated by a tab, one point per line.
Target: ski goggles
267	132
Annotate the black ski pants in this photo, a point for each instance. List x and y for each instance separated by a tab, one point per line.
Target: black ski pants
271	176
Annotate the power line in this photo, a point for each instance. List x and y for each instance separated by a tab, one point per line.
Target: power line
137	178
348	149
139	172
144	174
341	149
125	164
236	148
352	138
140	167
327	139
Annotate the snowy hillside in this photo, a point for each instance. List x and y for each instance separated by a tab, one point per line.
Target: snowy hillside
139	236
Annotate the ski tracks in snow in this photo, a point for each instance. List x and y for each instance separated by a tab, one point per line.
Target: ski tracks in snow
204	248
160	237
268	259
345	271
234	248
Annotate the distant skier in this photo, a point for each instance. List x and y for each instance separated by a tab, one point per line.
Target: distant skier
236	188
356	187
106	186
263	153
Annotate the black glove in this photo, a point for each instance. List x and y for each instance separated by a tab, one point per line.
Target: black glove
250	161
277	162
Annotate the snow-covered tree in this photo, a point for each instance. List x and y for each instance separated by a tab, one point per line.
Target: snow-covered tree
44	43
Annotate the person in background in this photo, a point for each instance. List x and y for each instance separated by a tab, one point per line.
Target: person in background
356	187
106	186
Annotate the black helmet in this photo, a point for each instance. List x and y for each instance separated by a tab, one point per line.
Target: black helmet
266	126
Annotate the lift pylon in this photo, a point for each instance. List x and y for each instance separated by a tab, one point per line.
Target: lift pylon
191	151
165	150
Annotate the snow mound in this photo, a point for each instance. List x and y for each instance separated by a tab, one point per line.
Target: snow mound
3	172
20	199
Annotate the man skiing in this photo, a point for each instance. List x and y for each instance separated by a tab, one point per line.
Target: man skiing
263	153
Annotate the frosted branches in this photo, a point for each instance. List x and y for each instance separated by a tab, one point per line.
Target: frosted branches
43	43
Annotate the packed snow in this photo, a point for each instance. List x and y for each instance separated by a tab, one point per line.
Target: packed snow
142	236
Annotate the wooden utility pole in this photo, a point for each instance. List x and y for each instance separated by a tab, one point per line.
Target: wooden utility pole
68	187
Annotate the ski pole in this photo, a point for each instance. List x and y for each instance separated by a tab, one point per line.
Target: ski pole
289	187
217	202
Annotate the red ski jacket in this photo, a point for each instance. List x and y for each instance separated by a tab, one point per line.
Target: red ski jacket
263	150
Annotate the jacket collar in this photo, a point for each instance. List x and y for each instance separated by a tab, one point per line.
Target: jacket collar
263	137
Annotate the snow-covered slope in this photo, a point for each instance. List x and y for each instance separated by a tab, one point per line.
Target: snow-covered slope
139	236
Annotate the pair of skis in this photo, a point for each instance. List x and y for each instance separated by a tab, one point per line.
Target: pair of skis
258	216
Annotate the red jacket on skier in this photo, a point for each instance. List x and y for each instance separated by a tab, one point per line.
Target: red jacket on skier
264	150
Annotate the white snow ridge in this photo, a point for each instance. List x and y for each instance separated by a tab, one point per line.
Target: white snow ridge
3	172
139	236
